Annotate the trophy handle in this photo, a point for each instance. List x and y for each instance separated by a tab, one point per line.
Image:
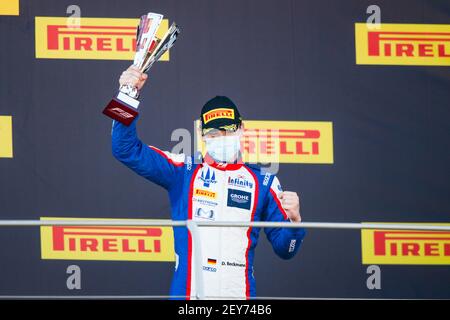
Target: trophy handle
164	44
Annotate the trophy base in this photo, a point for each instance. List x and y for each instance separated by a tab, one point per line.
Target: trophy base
122	108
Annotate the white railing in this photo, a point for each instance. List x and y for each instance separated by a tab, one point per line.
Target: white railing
255	224
193	228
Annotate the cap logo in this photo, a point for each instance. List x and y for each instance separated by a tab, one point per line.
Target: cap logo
222	113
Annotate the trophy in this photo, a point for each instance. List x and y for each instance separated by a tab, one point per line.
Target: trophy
149	48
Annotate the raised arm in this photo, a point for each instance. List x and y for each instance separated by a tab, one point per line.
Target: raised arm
162	168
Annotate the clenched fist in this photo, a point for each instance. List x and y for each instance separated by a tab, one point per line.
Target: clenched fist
134	77
291	204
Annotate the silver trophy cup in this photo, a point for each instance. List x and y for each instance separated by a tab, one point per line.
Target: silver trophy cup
149	48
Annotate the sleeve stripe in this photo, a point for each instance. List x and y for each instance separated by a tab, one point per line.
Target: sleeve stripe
175	163
278	204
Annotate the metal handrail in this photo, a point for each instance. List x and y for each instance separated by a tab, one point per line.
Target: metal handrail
256	224
193	228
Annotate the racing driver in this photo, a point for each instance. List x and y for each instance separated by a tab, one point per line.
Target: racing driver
219	188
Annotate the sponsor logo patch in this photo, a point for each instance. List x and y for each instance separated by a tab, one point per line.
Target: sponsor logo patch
240	181
292	245
209	269
208	178
239	199
222	113
266	179
205	193
205	202
204	213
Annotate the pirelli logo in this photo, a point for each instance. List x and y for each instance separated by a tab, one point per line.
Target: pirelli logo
93	38
285	142
403	44
222	113
107	243
405	247
205	193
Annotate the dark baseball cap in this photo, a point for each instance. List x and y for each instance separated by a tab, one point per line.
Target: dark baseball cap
220	113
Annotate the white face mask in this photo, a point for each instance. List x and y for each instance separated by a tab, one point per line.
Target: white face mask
223	148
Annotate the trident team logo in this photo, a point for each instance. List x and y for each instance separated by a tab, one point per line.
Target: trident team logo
208	178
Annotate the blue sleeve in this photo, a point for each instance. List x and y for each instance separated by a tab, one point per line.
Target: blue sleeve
162	168
285	241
